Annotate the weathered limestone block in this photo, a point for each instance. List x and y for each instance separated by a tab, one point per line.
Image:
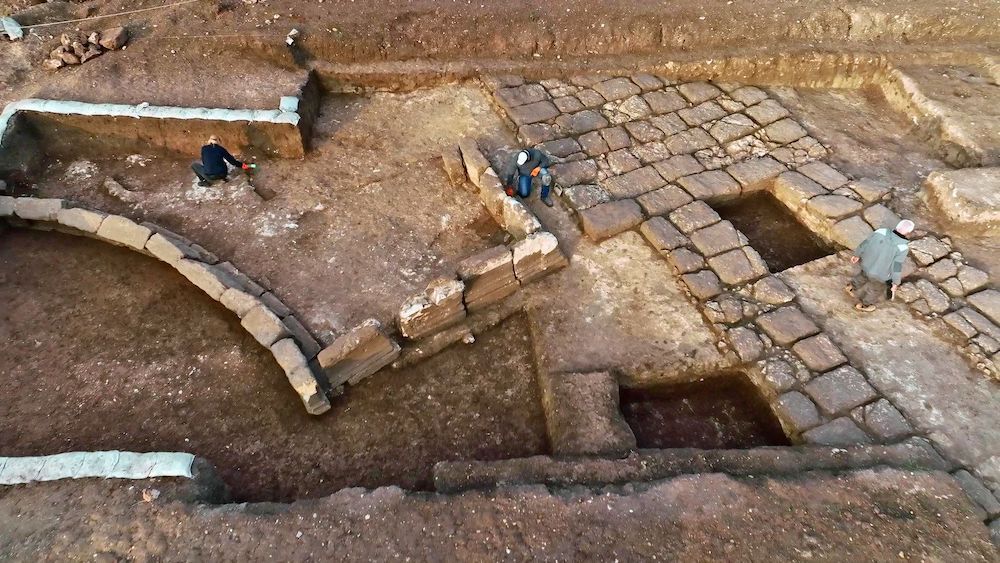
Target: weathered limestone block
37	209
796	412
436	308
304	382
664	101
732	127
581	122
983	498
928	250
662	235
840	390
716	239
823	174
883	421
561	147
576	172
209	279
537	256
593	143
756	173
869	189
670	123
937	300
590	98
647	82
819	353
488	277
767	112
738	266
712	184
703	285
698	92
521	95
748	95
850	232
358	354
787	325
568	104
651	152
772	291
622	161
585	196
942	270
663	200
833	206
454	166
694	216
685	261
972	279
608	219
7	205
264	325
517	220
690	141
169	250
981	323
583	416
881	217
841	432
616	89
634	183
784	131
746	344
678	166
794	190
616	138
988	303
309	345
701	113
238	301
533	113
80	219
779	375
538	133
969	196
475	163
492	194
121	230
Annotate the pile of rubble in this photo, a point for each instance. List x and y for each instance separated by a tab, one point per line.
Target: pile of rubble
76	49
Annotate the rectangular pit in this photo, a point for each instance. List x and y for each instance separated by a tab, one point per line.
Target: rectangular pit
722	412
773	231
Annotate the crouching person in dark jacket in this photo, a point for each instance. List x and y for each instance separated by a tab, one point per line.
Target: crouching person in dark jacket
213	163
528	165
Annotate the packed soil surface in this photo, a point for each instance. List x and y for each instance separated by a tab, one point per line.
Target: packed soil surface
773	231
723	412
360	224
107	349
857	516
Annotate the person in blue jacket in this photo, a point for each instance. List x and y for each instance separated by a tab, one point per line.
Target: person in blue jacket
881	258
212	166
528	165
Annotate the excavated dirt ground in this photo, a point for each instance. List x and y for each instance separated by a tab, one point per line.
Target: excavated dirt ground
111	350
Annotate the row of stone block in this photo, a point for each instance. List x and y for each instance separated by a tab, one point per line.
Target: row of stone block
261	314
508	212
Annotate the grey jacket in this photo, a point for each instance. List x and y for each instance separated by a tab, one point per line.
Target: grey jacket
882	255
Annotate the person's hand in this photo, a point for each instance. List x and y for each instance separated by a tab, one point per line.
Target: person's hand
892	291
855	259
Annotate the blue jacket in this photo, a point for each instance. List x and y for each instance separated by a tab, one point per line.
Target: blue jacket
882	255
212	157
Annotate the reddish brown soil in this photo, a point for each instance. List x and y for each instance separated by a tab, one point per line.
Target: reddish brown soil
858	516
107	349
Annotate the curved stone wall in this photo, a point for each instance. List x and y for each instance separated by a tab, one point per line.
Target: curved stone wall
268	320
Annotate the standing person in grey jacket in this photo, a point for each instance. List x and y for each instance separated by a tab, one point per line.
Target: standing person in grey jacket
881	257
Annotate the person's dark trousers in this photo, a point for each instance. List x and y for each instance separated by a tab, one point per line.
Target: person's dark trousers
199	170
524	185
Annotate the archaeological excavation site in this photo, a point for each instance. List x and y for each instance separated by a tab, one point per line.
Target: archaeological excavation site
590	280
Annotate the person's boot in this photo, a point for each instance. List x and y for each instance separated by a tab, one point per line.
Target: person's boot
547	200
204	184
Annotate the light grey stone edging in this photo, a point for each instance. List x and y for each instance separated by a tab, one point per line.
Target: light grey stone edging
268	320
105	465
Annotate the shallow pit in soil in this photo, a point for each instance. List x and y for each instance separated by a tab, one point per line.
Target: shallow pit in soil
773	231
722	412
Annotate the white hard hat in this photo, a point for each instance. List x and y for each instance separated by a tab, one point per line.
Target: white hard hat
905	227
522	157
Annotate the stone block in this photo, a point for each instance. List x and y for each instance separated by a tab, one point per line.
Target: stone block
576	172
663	200
786	325
678	166
561	147
732	127
850	232
590	98
264	326
475	163
797	412
972	279
716	239
794	190
662	235
772	291
536	256
756	173
883	421
981	323
703	285
454	166
238	301
488	277
694	216
80	219
942	270
623	161
967	196
690	141
585	196
842	432
685	261
307	343
123	231
710	185
748	95
517	220
698	92
608	219
819	353
288	355
736	267
616	89
701	113
7	205
927	250
978	492
533	113
569	104
208	278
840	390
937	300
616	138
779	375
766	112
644	132
583	416
634	183
784	131
746	344
358	354
880	217
956	321
37	209
271	301
169	250
492	194
823	174
670	123
436	308
665	101
651	152
987	344
647	82
581	122
538	133
593	143
870	190
988	303
833	206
